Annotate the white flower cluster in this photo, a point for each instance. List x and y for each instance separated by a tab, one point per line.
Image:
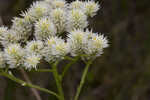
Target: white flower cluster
44	28
50	30
86	42
14	55
56	49
7	36
22	29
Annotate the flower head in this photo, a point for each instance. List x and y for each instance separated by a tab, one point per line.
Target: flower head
59	18
21	28
14	55
77	40
56	49
90	8
44	28
37	10
95	45
7	36
76	20
31	61
60	50
88	43
35	47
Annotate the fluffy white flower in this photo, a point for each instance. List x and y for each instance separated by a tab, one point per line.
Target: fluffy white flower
100	39
90	8
35	47
38	10
21	28
44	28
2	60
86	43
47	52
76	5
76	19
95	45
60	49
14	55
31	61
56	49
59	18
77	40
7	36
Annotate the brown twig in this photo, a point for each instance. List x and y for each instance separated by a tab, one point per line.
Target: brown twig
34	91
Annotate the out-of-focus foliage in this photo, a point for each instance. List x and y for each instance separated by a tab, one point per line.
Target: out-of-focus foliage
122	73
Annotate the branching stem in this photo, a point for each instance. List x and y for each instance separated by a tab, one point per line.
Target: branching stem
58	81
23	83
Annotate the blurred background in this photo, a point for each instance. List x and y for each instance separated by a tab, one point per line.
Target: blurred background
121	73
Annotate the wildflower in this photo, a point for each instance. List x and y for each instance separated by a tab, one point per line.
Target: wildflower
76	19
31	61
60	50
56	49
95	45
59	18
77	40
44	28
35	47
7	36
37	10
14	55
90	8
21	28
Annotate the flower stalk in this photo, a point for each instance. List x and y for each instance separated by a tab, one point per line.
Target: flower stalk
58	80
82	79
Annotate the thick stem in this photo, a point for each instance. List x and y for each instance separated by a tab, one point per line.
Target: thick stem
23	83
34	91
82	80
58	81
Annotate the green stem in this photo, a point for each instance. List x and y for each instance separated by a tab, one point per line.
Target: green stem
58	81
82	80
23	83
68	66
